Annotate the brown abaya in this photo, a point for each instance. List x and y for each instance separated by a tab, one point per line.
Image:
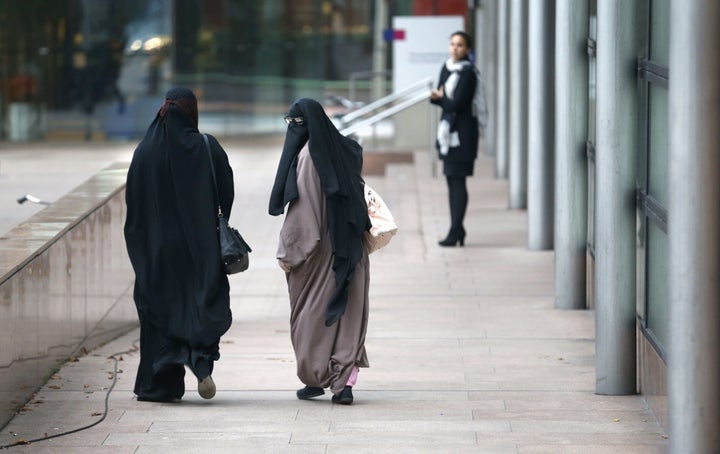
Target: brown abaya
325	354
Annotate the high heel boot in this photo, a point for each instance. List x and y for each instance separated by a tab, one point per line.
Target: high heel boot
453	238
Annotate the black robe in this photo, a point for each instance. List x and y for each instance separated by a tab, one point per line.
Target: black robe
181	294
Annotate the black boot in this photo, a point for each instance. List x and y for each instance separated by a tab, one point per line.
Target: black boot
454	237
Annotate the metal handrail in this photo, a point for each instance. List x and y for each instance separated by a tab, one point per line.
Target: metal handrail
417	98
392	97
414	94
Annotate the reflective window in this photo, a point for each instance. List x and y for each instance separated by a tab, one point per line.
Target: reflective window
652	271
592	108
98	68
657	166
640	257
657	290
660	32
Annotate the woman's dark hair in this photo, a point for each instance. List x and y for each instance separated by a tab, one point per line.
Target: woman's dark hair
465	36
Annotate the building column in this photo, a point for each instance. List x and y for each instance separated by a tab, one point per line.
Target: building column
517	130
616	145
693	226
487	49
379	51
501	93
571	181
541	124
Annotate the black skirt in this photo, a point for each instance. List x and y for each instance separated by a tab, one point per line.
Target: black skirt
458	168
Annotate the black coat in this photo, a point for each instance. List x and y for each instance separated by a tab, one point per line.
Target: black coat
171	232
459	112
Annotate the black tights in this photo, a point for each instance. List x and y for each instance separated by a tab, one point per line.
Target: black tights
458	195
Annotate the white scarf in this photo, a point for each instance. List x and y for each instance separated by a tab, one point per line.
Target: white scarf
447	139
452	80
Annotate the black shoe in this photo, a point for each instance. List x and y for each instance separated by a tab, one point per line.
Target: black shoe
452	240
163	400
345	397
309	392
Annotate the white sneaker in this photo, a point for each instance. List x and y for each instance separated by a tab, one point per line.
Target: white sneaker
206	387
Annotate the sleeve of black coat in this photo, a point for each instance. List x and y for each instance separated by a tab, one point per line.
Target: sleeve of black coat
441	80
462	99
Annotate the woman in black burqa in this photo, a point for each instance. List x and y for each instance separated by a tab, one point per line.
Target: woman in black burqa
181	293
321	250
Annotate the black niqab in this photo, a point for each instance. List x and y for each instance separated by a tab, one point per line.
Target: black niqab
171	231
338	162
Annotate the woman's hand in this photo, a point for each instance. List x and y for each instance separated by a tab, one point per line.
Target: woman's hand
437	93
285	267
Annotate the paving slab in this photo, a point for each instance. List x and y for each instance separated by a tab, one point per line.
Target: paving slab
467	353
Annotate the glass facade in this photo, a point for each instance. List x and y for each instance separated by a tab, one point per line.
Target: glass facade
652	178
590	151
97	68
592	99
653	258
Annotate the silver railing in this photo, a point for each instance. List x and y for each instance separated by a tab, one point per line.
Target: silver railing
419	91
388	106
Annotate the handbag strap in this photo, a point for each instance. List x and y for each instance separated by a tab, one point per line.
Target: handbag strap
212	171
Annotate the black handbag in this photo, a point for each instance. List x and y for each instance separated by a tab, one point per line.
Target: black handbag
234	251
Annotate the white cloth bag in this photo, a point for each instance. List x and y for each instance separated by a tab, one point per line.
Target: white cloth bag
383	224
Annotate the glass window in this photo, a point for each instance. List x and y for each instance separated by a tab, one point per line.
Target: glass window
660	32
658	144
592	107
657	291
100	67
640	256
652	241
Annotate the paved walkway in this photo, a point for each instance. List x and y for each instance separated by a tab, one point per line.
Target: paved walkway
467	353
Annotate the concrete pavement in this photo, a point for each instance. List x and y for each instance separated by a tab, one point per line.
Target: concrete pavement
467	353
48	171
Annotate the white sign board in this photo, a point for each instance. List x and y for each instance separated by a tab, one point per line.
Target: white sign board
420	47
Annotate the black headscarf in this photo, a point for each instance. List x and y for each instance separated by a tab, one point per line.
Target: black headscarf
170	230
338	162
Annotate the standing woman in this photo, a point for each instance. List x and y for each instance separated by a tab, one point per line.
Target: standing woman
457	136
321	251
181	294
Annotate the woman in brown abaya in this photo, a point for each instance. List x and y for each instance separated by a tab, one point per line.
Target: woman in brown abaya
322	252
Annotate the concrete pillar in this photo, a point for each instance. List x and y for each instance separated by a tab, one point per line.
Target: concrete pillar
571	117
517	140
488	70
480	20
615	209
541	124
379	50
501	96
693	226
